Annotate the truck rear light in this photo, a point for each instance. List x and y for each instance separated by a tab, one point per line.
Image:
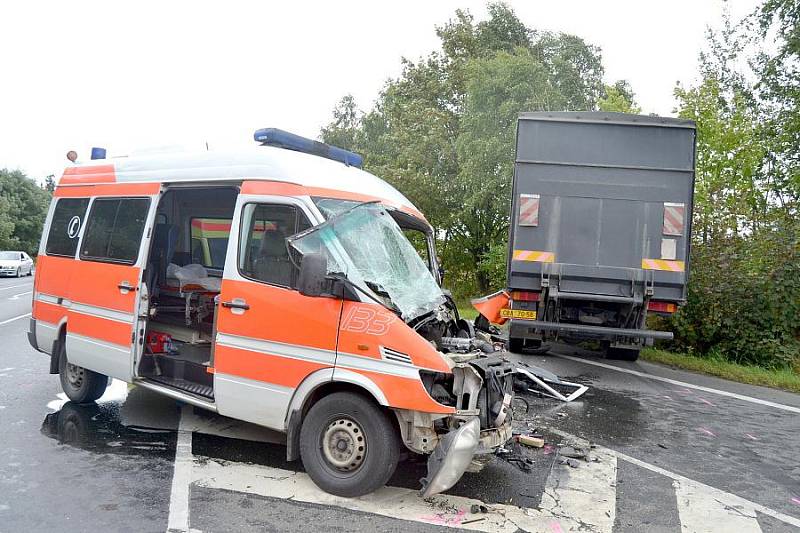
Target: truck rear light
674	219
528	210
525	296
662	307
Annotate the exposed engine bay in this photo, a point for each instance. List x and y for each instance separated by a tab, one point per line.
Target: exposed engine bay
480	385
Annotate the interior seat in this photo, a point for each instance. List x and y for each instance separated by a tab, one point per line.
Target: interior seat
273	263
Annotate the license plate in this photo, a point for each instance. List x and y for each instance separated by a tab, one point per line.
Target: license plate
518	313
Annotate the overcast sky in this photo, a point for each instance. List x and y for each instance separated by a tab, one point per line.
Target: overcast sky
82	74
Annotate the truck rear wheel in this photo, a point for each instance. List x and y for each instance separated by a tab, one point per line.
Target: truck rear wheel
623	353
81	385
348	445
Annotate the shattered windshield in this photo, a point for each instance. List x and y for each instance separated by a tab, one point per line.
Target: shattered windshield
367	246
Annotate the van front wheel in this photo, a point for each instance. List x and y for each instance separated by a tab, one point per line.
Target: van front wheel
348	445
81	385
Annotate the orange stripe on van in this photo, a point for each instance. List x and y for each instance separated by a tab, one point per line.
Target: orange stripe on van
53	275
47	312
283	371
277	188
116	189
80	175
404	393
99	328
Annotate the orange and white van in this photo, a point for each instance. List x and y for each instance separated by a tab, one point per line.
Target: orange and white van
275	285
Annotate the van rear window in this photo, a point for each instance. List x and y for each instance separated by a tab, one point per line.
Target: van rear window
68	217
114	229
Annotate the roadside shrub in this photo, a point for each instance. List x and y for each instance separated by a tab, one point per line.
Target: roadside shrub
744	299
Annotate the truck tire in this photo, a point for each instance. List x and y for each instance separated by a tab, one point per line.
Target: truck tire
627	353
81	385
515	344
348	445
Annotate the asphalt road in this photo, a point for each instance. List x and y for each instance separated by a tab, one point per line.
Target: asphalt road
673	451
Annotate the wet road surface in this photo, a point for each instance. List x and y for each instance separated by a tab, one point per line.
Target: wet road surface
709	455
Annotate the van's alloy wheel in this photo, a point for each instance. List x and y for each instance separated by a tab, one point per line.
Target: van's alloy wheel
348	444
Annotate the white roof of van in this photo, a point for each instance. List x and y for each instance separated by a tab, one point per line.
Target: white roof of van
258	162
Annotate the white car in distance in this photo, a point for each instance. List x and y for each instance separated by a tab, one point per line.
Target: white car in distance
15	264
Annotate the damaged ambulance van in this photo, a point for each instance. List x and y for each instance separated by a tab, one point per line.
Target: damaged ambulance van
275	285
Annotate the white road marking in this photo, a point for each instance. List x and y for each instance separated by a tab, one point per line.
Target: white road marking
16	286
587	493
702	512
181	478
16	296
4	322
392	502
726	498
750	399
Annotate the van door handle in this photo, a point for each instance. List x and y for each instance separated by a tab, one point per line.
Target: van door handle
125	287
237	306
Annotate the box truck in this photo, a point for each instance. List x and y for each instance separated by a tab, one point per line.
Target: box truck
600	229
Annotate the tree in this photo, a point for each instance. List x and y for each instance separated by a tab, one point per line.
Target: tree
23	207
50	184
618	98
443	131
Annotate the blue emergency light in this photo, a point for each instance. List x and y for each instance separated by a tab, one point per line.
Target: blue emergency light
290	141
98	153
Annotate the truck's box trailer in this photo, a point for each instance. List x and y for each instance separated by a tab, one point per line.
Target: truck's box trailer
601	225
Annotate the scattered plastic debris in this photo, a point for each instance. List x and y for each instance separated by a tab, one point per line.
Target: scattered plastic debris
531	440
477	508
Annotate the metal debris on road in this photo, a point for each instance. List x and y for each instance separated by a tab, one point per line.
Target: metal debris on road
547	383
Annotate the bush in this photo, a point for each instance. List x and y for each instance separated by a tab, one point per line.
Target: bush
744	299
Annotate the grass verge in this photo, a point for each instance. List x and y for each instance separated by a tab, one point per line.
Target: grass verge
785	379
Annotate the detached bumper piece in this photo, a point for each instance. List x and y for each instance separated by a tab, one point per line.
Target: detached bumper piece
548	384
451	457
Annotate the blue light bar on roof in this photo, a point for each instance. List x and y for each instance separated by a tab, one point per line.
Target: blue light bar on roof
290	141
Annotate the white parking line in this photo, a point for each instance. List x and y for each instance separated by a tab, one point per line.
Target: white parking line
16	286
13	319
742	397
587	493
702	512
690	486
181	478
16	296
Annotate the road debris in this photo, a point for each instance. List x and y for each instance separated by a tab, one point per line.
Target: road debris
477	508
530	440
546	383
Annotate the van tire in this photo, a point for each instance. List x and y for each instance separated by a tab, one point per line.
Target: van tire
357	416
81	385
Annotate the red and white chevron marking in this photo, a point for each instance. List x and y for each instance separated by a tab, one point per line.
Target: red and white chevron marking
528	209
674	216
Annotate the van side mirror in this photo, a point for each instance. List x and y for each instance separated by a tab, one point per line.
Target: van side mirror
313	271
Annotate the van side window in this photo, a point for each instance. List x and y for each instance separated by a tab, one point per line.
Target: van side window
114	229
68	217
263	255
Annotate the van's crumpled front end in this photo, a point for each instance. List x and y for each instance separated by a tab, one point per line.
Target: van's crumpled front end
480	388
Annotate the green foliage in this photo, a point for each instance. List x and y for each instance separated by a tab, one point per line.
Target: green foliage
23	206
744	291
618	98
443	132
